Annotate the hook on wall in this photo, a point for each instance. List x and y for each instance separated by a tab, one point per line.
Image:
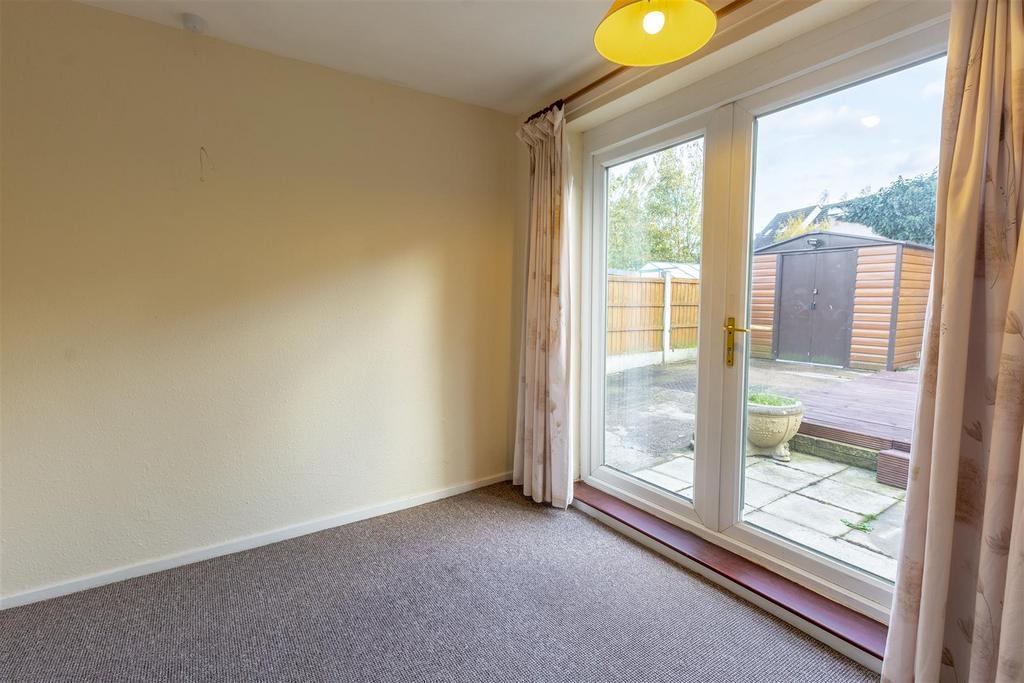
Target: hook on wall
196	25
193	23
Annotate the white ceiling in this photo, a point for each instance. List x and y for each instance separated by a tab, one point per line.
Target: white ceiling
507	55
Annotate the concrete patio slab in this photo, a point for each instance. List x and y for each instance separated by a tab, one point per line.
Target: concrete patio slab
865	479
649	432
770	472
837	548
821	517
680	468
848	497
809	509
886	532
661	480
814	465
758	494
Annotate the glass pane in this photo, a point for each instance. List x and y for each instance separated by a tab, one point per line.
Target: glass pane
843	228
654	246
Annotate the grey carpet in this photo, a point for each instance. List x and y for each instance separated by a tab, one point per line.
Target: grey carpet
485	586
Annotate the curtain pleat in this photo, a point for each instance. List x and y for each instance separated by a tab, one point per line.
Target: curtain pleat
958	609
543	451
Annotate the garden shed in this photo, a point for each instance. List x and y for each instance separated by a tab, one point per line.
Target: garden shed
844	300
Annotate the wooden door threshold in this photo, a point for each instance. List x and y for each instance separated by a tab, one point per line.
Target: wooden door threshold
849	626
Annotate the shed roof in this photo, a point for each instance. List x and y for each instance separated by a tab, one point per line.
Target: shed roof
677	270
818	240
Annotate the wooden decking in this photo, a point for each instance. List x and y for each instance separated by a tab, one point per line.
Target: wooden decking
874	411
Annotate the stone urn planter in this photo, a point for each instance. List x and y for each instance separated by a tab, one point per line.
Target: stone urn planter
771	422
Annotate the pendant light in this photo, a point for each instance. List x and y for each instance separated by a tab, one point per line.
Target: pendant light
653	32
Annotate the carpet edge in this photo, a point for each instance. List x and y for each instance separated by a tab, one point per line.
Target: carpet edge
235	545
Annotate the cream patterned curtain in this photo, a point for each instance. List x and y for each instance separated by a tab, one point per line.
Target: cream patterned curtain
543	455
958	612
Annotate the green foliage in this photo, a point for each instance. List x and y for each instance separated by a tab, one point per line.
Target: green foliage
627	226
795	227
902	210
770	400
863	524
655	208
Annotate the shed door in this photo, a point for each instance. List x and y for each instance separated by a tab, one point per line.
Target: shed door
816	306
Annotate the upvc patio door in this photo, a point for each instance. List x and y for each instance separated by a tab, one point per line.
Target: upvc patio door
674	277
658	282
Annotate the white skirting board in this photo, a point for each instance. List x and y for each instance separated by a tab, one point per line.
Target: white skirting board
819	634
244	543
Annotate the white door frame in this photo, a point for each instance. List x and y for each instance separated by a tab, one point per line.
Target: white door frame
898	38
708	126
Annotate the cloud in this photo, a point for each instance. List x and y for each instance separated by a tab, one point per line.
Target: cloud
836	142
933	89
817	118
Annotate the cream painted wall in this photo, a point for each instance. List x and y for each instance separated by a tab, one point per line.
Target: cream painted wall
317	321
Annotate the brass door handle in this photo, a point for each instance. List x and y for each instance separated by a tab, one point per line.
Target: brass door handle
730	340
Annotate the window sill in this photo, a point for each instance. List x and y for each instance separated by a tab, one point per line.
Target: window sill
850	626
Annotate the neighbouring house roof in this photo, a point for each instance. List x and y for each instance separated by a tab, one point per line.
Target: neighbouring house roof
831	213
767	234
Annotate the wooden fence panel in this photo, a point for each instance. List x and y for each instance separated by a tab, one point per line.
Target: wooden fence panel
635	315
685	305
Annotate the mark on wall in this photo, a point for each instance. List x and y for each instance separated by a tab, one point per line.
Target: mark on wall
204	163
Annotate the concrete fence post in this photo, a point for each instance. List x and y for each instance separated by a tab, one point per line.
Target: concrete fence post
666	318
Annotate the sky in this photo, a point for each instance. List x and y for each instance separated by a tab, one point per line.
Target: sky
859	138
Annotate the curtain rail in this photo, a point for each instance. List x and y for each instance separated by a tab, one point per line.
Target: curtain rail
725	11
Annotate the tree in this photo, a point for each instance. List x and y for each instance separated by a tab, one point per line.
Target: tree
795	227
902	210
655	208
627	229
674	205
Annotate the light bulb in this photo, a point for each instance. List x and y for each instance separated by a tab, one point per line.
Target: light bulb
654	22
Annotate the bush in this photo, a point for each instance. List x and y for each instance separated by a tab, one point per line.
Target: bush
770	400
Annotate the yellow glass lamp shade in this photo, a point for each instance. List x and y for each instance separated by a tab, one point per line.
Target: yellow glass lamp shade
652	32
